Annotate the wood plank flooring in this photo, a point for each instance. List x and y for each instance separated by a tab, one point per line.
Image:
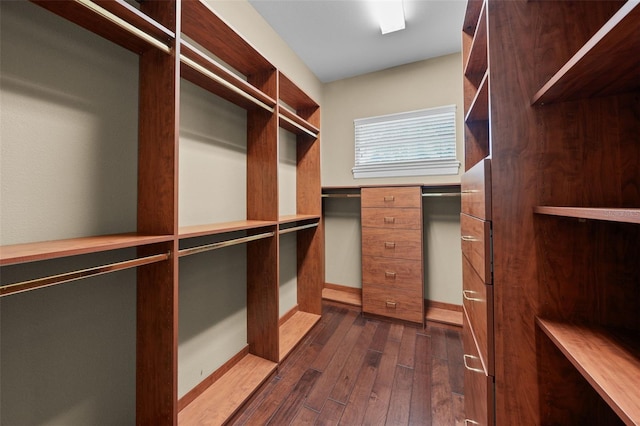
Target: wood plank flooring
352	370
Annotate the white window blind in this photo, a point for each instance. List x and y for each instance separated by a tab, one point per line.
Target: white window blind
411	143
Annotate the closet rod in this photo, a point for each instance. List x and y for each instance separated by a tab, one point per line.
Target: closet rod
298	126
297	228
202	70
340	195
83	273
124	25
441	194
221	244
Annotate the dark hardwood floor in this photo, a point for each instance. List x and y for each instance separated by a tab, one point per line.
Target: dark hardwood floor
352	370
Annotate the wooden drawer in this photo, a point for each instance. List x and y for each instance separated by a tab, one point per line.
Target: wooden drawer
476	244
478	387
392	218
404	304
401	243
392	273
477	299
476	190
409	196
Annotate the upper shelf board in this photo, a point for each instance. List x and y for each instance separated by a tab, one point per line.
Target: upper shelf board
605	214
607	64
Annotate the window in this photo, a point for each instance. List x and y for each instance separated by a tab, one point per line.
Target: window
411	143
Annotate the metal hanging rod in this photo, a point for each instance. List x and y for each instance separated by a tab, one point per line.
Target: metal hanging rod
297	228
298	126
124	25
441	194
83	273
221	244
340	195
202	70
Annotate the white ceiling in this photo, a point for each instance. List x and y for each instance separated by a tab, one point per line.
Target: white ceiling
340	38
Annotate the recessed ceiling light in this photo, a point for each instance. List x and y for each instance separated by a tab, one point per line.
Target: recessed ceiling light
390	15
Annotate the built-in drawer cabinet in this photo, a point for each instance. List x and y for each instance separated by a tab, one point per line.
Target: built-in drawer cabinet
476	244
392	265
476	190
477	301
478	386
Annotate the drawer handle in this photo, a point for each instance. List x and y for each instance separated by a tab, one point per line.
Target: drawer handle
388	219
389	198
470	191
470	422
389	245
391	305
477	370
388	274
469	298
469	238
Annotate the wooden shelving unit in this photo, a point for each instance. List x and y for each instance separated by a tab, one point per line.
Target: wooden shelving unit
188	40
553	171
608	359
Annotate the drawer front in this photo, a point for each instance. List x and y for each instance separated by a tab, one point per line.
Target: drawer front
476	190
392	273
405	304
478	387
476	244
410	196
401	243
477	299
392	218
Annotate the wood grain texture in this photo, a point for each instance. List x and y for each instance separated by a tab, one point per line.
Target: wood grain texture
392	218
605	214
400	244
476	245
221	228
476	61
294	329
406	304
475	196
409	197
392	273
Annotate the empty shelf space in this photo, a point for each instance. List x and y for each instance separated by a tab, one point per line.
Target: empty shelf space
477	60
604	214
479	109
221	228
116	21
349	296
608	63
294	330
221	400
31	252
616	379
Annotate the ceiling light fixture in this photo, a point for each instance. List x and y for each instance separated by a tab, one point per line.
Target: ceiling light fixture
390	15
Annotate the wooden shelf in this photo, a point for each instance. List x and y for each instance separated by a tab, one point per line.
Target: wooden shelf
292	122
32	252
294	330
221	228
477	61
608	63
200	69
223	398
114	20
479	109
298	218
342	294
608	360
605	214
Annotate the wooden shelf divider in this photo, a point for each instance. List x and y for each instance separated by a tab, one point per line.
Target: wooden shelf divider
477	61
471	16
223	227
608	360
604	214
479	109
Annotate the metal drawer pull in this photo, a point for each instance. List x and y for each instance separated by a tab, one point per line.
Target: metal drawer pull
388	219
388	274
389	198
391	305
477	370
389	245
470	191
470	422
469	238
469	298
